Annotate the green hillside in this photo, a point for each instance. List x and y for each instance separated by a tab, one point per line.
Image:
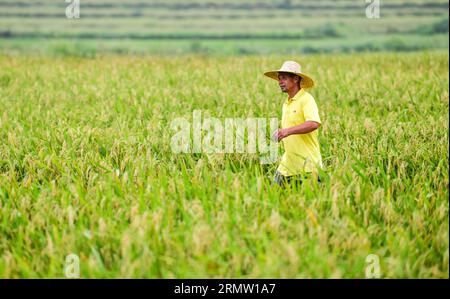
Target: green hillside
228	27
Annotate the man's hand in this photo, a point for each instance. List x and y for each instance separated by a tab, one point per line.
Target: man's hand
280	134
304	128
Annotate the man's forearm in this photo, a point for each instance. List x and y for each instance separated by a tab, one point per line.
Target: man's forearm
304	128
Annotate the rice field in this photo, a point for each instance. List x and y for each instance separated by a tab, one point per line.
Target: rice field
221	27
86	168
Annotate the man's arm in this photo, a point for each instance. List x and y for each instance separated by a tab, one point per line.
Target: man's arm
304	128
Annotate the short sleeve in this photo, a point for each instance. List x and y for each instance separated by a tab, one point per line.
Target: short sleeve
310	110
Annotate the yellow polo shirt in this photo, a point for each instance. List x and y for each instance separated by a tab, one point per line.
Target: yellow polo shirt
302	151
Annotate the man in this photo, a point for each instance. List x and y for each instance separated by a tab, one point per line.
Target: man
299	124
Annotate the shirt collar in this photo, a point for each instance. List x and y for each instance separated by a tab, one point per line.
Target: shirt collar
297	96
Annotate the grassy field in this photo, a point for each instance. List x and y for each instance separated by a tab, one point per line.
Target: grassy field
86	168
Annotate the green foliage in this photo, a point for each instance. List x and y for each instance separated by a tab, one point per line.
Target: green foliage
328	30
441	26
438	27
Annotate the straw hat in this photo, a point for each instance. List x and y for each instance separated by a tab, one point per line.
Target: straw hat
292	67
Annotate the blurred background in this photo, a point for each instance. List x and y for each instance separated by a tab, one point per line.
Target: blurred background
229	27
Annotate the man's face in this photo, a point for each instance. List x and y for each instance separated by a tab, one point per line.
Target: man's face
287	81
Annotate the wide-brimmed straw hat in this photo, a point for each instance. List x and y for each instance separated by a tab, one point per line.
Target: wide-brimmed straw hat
292	67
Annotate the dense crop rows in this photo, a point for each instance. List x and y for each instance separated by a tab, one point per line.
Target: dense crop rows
86	168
